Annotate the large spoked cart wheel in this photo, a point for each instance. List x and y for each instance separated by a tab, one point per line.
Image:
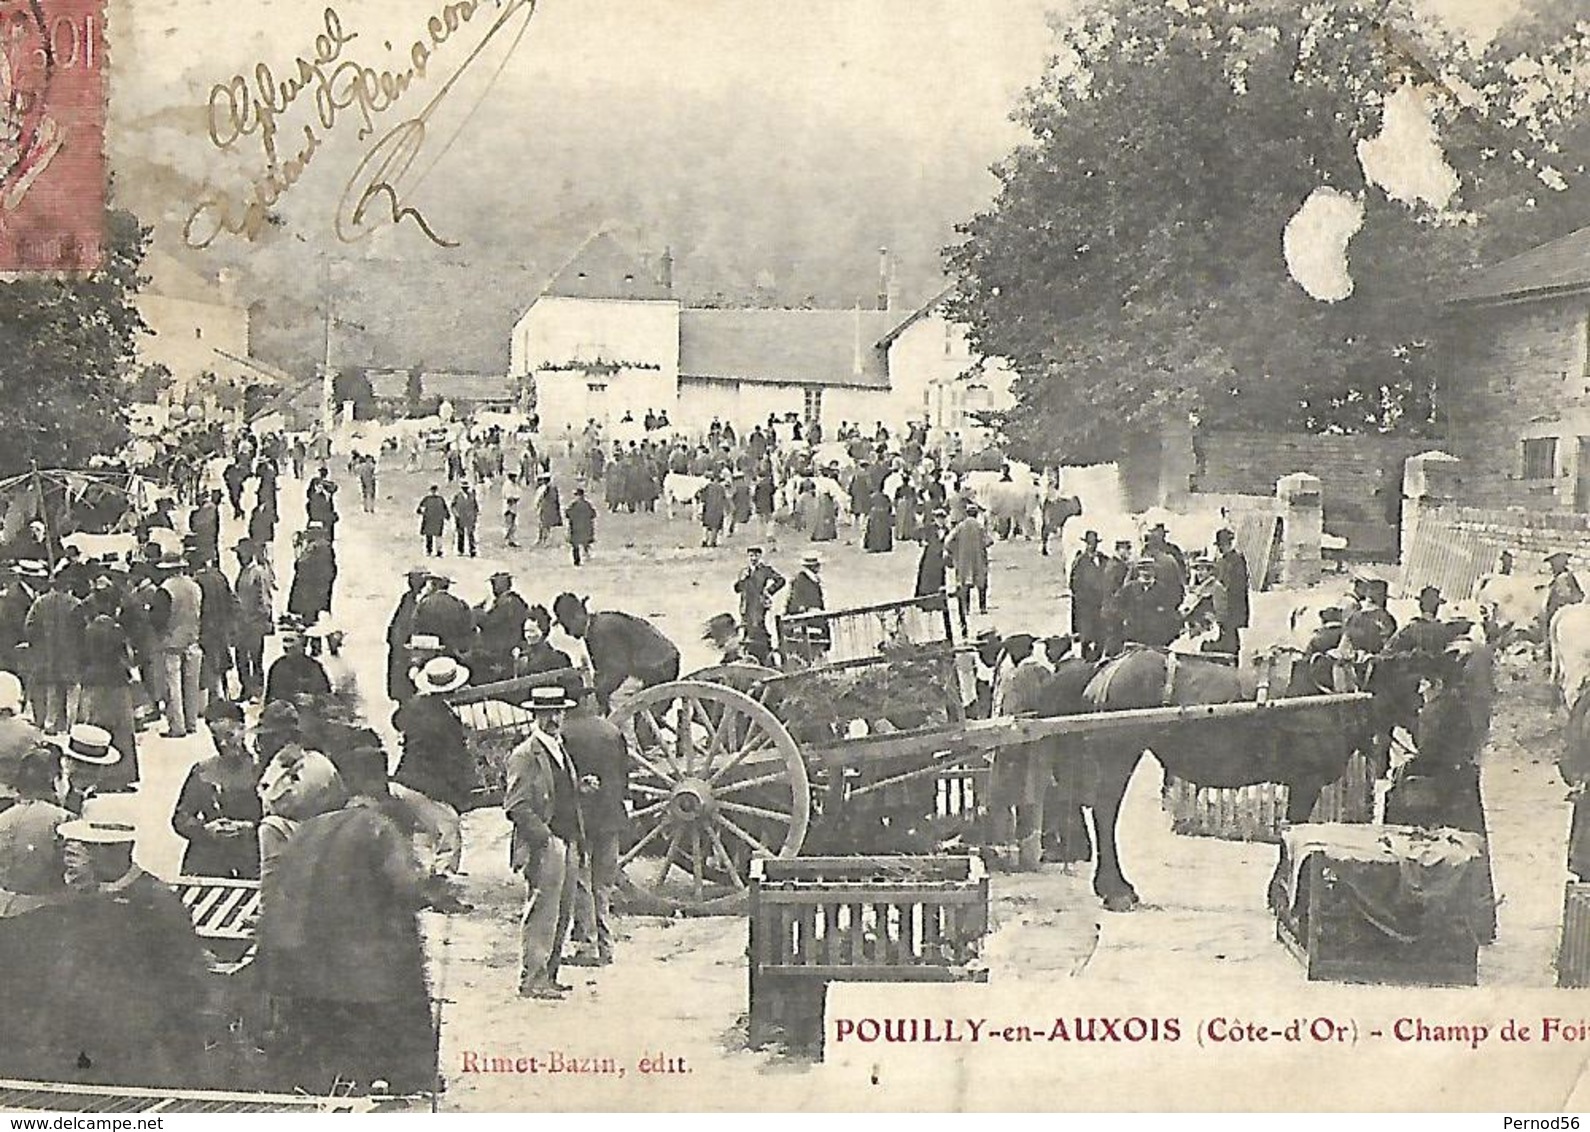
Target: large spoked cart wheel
715	782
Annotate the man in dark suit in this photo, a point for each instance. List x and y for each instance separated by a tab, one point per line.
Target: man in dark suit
1089	578
601	762
340	946
1231	604
439	613
500	630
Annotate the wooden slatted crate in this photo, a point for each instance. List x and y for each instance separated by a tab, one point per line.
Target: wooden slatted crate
1257	813
816	920
1573	950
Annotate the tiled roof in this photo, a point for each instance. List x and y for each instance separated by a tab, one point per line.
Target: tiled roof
921	312
603	269
1563	265
441	317
806	347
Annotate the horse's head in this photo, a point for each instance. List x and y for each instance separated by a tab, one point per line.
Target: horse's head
571	613
1398	680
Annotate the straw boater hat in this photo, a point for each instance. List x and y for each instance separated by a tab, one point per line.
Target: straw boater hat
549	699
439	674
32	568
86	743
812	559
425	642
98	832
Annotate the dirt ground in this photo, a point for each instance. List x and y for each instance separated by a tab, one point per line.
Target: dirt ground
676	998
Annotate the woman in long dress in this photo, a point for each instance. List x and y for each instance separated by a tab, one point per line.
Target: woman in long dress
879	537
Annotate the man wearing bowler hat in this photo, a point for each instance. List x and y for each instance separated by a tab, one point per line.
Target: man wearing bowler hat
601	761
757	584
1564	589
542	801
1088	591
255	617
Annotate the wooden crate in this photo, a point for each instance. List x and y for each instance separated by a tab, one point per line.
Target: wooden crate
1258	813
817	920
1573	950
1329	934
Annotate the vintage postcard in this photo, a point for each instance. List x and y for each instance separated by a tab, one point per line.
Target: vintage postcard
860	555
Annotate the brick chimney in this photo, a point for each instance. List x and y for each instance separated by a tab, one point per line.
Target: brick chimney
883	279
666	267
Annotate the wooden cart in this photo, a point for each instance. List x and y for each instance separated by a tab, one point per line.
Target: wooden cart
865	734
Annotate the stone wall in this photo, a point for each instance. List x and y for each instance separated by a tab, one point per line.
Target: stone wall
1360	477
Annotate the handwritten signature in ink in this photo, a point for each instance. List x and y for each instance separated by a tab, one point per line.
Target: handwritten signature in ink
338	87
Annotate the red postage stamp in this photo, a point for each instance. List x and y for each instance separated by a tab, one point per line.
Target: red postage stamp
52	135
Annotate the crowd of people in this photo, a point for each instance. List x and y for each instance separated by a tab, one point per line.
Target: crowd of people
293	788
351	836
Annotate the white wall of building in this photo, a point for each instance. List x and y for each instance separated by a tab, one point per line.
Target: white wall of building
925	366
186	333
859	406
559	331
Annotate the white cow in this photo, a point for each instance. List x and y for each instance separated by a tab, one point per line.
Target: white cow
1512	605
1570	652
102	546
681	489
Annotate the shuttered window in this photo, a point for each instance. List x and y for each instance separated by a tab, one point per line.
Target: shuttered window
1540	458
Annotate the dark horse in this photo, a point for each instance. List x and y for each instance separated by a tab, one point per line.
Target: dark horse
621	646
1305	753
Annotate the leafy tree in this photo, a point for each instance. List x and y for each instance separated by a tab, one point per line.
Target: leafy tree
353	384
67	356
1131	267
151	381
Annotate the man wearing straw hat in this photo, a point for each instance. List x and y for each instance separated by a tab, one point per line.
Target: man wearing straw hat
436	761
128	1013
87	756
806	596
542	801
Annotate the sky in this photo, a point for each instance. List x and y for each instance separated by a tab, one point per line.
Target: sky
931	77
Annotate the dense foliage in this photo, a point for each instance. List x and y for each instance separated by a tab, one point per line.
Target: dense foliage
66	357
1132	264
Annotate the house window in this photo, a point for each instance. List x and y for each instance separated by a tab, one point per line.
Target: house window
1540	458
814	404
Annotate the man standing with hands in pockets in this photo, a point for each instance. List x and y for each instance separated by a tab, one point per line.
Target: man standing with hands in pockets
542	801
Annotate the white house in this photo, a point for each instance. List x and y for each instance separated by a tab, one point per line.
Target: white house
931	359
606	337
196	327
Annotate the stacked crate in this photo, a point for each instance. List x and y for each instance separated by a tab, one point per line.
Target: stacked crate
817	920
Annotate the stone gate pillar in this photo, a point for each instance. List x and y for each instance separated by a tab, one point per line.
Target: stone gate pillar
1428	480
1302	528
